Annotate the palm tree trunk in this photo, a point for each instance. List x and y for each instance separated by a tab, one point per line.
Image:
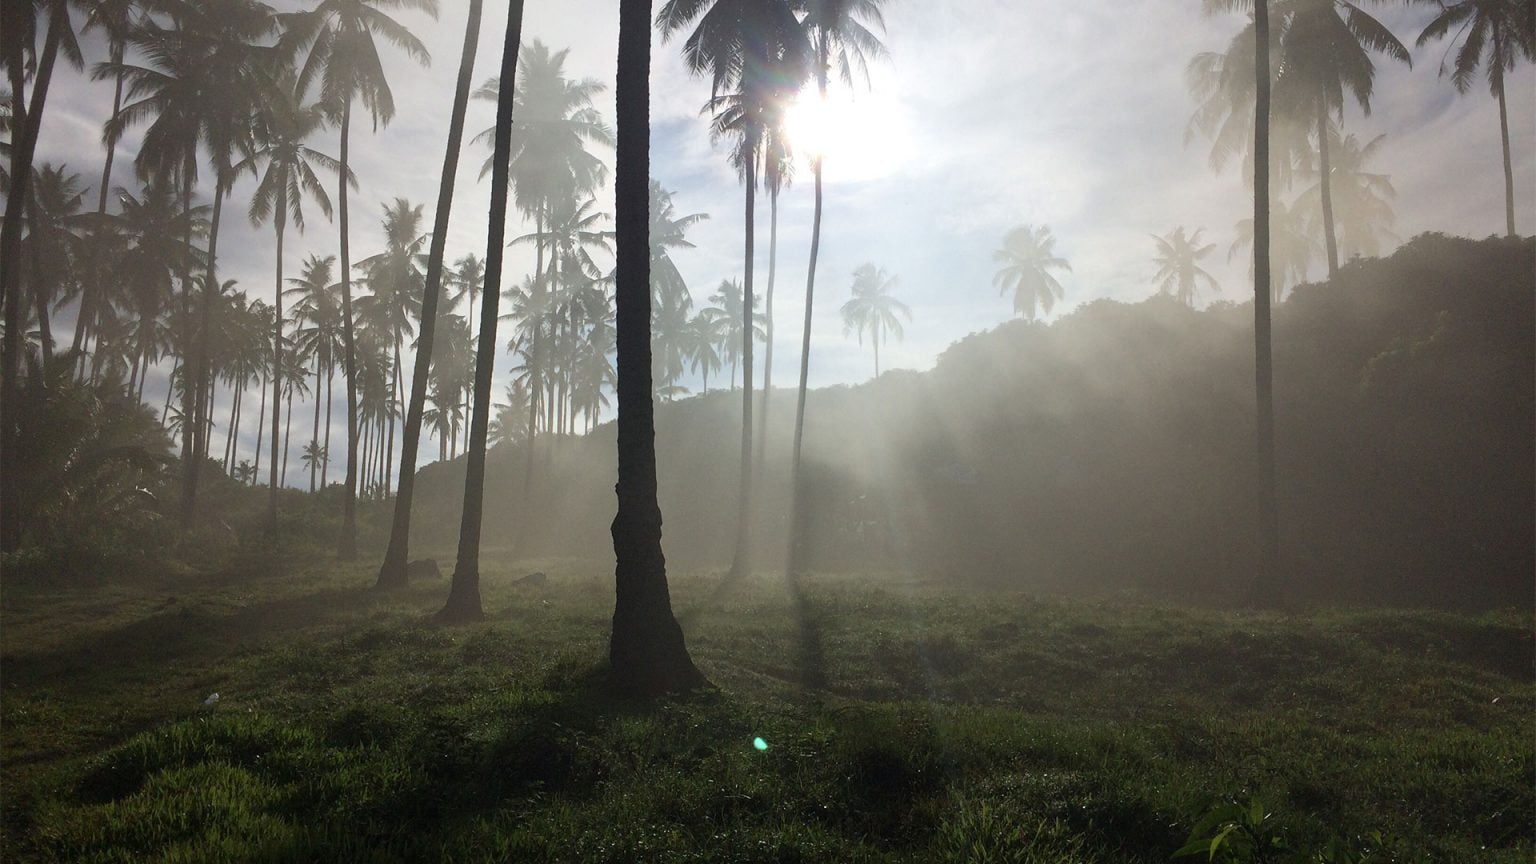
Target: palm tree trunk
229	434
392	573
646	654
394	414
742	562
200	356
773	266
186	349
29	121
1326	188
88	290
314	437
464	592
330	374
280	221
170	387
1267	585
261	428
877	353
346	546
287	435
535	384
1509	174
797	510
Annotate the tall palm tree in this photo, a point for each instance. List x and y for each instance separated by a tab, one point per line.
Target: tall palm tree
284	162
158	242
1027	257
464	590
1326	49
1361	199
757	49
396	282
729	315
844	36
392	571
702	345
465	282
51	251
1495	32
646	653
20	23
873	309
317	314
1178	265
338	38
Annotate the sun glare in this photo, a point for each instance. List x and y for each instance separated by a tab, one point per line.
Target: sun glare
864	134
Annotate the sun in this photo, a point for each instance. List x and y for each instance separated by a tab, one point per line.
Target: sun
864	134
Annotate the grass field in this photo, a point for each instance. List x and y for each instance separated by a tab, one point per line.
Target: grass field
901	722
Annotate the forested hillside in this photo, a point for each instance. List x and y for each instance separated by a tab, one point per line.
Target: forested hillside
1112	449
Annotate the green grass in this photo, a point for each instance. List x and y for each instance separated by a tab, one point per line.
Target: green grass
942	726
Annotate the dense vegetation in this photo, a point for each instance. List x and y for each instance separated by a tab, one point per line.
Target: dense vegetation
1111	450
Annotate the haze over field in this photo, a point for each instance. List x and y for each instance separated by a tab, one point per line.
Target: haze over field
984	116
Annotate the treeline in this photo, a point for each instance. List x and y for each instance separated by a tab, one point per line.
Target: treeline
1111	451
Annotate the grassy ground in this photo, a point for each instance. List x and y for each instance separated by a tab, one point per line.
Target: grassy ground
941	726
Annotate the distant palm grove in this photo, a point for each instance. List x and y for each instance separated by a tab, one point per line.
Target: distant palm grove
125	341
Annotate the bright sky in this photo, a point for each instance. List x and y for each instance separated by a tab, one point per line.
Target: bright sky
988	114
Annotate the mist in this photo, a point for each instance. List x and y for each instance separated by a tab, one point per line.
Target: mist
767	430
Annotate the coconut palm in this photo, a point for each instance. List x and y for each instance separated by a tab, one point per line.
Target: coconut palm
1027	257
286	166
728	317
464	282
1179	273
317	333
754	54
392	571
1361	199
1494	33
464	591
158	242
844	37
396	282
873	309
337	39
52	247
646	653
702	345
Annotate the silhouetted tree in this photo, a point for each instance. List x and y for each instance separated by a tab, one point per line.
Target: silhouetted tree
464	591
1028	256
392	571
1178	265
646	653
873	309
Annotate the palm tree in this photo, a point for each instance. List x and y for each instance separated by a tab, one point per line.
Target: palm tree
1325	51
646	653
843	36
281	128
115	18
339	38
317	314
1027	258
158	241
1360	198
757	48
396	282
464	591
20	21
51	250
392	572
1292	247
1501	31
873	309
728	317
1178	265
465	282
702	345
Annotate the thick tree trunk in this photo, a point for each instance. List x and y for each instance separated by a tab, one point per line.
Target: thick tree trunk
392	573
1267	586
1509	173
29	121
1324	166
464	591
277	366
646	655
346	547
